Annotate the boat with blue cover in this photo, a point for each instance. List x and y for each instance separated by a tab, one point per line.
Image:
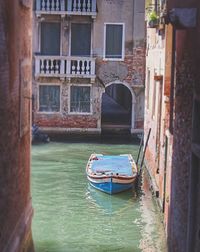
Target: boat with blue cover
111	174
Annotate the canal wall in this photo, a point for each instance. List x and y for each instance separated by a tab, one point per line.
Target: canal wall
171	111
15	99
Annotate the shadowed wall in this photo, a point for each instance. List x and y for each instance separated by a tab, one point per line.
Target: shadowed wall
15	92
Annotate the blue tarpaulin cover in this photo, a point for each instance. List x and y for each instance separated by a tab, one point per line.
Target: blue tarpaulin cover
115	164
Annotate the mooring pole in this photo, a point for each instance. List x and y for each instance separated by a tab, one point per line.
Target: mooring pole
141	142
145	147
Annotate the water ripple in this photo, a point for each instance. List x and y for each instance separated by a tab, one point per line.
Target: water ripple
71	216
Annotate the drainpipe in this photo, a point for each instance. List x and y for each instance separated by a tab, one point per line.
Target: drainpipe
33	109
159	124
156	6
171	120
165	174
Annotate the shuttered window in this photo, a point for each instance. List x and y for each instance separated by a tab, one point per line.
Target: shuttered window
114	43
50	38
49	98
80	39
80	99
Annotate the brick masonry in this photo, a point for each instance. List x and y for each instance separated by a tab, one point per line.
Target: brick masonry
136	66
69	121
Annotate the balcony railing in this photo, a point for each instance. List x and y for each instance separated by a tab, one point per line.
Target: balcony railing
83	7
63	66
50	5
66	7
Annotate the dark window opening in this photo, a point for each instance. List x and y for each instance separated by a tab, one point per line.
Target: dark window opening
148	87
80	99
154	100
50	38
117	105
49	98
80	39
114	34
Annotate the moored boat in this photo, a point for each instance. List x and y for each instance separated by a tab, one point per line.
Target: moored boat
111	174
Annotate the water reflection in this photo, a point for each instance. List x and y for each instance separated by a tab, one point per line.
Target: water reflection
110	204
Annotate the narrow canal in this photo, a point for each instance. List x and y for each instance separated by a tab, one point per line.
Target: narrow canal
71	216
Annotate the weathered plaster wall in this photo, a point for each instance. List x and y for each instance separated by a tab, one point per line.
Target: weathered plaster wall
112	11
15	99
130	71
157	93
155	66
139	32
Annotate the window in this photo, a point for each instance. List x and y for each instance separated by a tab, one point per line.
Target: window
50	38
49	98
148	87
114	41
80	99
80	39
154	96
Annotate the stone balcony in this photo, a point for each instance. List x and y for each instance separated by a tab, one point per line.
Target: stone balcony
66	7
65	67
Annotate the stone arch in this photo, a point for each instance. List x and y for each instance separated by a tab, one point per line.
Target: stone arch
133	99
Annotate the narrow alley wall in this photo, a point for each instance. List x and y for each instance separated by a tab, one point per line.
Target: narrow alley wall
184	82
170	159
15	100
182	139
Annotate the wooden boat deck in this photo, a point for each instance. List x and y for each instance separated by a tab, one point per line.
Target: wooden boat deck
112	164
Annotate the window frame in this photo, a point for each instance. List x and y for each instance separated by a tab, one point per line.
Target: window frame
70	37
38	98
69	100
148	81
123	42
40	37
154	100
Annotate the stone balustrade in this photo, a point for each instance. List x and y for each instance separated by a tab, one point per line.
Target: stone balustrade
50	5
66	7
64	66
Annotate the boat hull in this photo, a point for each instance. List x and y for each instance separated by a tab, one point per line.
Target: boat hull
112	188
111	185
111	174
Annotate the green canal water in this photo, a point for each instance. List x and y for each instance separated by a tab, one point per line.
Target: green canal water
71	216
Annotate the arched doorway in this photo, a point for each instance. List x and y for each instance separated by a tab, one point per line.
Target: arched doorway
117	110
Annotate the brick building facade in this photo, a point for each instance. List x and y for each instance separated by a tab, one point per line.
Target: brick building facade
172	112
83	49
15	100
